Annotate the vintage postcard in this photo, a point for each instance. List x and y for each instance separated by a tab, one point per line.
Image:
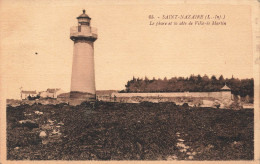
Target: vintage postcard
129	81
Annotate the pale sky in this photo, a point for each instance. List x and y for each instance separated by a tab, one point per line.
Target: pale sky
127	45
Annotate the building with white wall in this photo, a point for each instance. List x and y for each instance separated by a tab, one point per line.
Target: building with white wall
51	93
26	94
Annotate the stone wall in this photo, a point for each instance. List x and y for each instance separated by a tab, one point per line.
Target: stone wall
217	95
192	98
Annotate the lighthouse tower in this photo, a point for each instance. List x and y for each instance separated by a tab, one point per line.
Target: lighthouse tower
83	73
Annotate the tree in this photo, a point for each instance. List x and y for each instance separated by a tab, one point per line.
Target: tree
146	79
213	78
199	77
221	78
205	78
193	84
29	97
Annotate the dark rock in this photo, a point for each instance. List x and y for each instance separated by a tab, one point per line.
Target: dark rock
185	105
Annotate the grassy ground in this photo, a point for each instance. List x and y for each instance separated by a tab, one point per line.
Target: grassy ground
114	131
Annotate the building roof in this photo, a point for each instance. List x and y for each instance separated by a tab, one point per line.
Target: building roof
29	92
53	90
226	88
84	15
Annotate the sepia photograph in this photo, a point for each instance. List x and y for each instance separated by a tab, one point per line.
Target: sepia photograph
129	80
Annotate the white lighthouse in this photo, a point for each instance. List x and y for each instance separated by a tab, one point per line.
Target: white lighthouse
83	72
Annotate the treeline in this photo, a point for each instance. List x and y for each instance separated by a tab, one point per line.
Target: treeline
194	83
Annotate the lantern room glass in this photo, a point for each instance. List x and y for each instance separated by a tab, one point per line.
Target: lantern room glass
84	21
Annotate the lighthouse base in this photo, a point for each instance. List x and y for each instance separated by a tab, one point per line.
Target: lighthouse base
82	96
